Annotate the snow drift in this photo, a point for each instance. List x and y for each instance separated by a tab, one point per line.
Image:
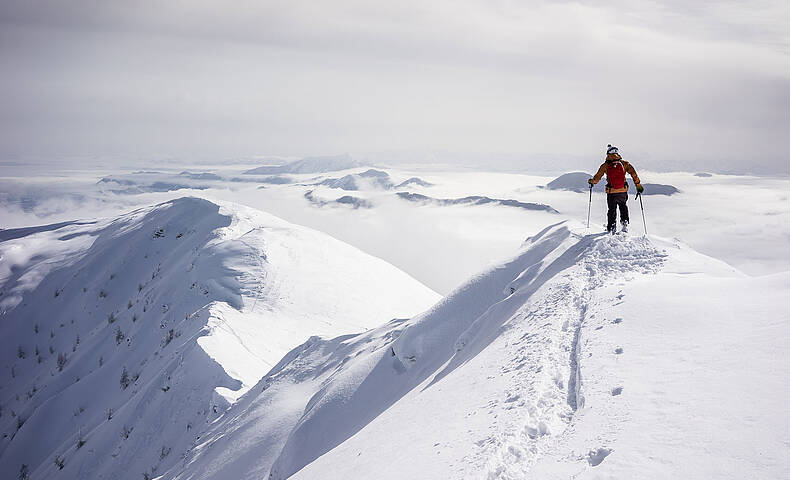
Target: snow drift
125	338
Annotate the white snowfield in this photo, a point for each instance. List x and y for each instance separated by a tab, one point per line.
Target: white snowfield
124	339
584	356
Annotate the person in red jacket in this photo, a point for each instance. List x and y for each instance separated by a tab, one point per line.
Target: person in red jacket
615	169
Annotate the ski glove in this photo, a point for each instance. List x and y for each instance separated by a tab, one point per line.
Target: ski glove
640	188
590	181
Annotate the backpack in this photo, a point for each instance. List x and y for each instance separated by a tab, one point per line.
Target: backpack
615	174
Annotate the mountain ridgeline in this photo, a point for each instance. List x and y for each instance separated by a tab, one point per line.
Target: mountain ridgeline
145	332
194	340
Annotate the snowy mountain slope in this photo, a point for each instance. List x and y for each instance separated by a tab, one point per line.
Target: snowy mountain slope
369	179
125	338
474	200
320	164
684	376
518	371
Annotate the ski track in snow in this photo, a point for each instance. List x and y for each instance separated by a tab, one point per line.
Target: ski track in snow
549	334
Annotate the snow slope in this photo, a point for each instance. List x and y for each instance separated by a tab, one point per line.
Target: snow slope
125	338
584	356
684	377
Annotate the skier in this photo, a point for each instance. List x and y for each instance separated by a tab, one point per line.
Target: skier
615	169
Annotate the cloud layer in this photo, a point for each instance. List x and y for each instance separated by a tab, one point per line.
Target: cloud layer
673	84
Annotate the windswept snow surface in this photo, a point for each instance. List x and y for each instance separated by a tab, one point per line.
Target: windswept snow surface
194	301
584	356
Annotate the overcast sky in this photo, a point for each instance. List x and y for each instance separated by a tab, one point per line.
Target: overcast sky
673	83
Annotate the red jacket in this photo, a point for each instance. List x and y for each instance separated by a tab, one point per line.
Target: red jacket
613	157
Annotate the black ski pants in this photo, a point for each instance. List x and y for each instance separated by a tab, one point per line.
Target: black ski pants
613	201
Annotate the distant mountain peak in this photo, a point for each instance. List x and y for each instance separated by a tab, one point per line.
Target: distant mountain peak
319	164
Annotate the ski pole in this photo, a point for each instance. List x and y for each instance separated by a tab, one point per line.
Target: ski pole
639	196
589	207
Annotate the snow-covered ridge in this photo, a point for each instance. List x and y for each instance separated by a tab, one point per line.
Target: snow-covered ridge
510	374
348	382
475	200
126	337
582	356
319	164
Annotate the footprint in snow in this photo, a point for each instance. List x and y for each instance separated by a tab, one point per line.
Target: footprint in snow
512	398
538	430
595	457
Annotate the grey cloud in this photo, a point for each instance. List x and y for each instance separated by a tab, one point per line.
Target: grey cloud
301	78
